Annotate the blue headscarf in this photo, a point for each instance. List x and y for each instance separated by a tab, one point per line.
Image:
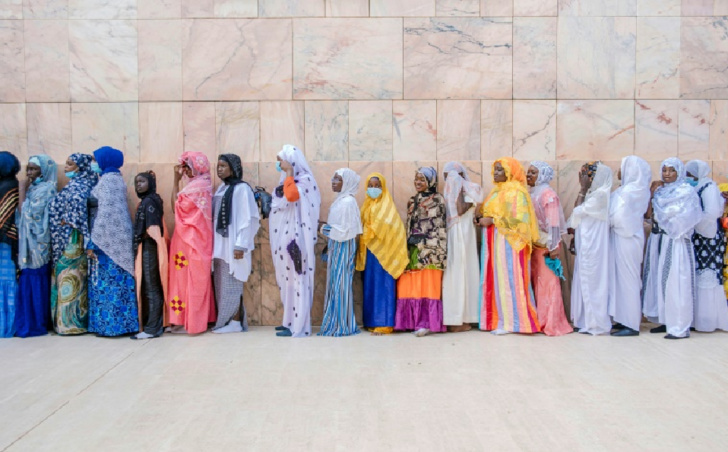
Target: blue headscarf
9	168
9	165
109	159
33	221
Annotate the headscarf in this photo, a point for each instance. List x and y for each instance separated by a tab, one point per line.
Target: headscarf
226	206
150	211
344	211
596	201
628	203
454	185
676	206
109	159
35	236
9	168
70	205
711	201
510	206
542	195
383	232
199	187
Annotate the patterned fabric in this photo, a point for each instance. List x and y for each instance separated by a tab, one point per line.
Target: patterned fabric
676	206
9	168
8	291
228	294
427	226
112	297
710	254
547	206
34	249
723	189
339	303
198	189
112	228
69	292
226	205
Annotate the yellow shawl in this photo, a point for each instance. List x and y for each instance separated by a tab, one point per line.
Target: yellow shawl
510	206
383	232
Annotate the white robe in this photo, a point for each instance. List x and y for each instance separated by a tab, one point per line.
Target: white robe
244	224
590	285
461	280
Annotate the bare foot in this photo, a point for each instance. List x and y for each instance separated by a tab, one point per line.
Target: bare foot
376	333
459	328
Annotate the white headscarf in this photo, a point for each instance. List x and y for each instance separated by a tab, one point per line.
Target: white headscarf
344	217
596	202
676	206
628	203
542	195
454	184
710	199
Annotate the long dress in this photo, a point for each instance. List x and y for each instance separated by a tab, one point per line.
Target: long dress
9	196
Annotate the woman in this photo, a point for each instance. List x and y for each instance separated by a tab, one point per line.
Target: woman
419	289
34	254
341	230
711	308
668	292
236	222
293	228
590	220
510	228
461	279
150	265
190	299
9	169
382	256
69	237
111	292
627	207
546	266
724	223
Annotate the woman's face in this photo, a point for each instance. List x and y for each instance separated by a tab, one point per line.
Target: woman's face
285	165
420	182
70	166
499	173
223	170
187	171
32	172
669	174
141	184
336	183
374	182
532	176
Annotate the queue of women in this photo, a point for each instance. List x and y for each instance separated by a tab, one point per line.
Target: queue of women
75	262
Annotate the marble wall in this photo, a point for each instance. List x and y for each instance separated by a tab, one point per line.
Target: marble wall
375	85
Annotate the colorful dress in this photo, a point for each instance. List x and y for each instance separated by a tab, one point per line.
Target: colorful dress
724	223
9	168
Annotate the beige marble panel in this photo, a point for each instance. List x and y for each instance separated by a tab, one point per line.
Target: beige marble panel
594	129
658	58
104	61
703	54
538	8
396	8
347	59
720	8
49	130
47	76
402	187
415	129
327	130
694	130
161	137
567	173
460	58
252	290
280	123
598	8
458	8
656	127
347	8
14	130
198	8
12	61
106	124
719	130
323	172
159	9
45	9
487	177
236	8
697	7
496	129
238	129
370	130
237	59
160	59
11	9
292	8
458	130
102	9
271	309
534	129
495	8
720	171
198	125
364	169
596	57
534	57
658	7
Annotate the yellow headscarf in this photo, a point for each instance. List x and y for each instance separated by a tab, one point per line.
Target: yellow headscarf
510	206
383	232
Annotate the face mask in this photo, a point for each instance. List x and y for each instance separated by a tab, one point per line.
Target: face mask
374	193
38	180
71	174
693	182
278	166
95	167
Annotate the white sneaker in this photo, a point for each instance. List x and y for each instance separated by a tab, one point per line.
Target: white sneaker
500	332
422	332
233	327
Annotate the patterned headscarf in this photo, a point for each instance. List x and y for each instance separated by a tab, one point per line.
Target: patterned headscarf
676	205
199	187
226	206
545	172
35	237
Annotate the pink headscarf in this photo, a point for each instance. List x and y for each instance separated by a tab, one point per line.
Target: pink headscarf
199	187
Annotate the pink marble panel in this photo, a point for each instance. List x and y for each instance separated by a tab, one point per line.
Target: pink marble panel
535	8
280	123
47	76
496	129
458	129
198	125
363	169
598	8
159	9
49	130
720	8
45	9
11	9
475	172
720	171
697	7
347	8
396	8
694	130
106	124
719	130
237	59
291	8
236	8
445	58
658	7
596	57
534	129
402	186
238	129
458	8
370	130
704	51
161	137
327	130
656	126
594	129
495	8
658	58
567	173
534	57
198	8
160	59
271	309
14	130
347	59
415	129
12	61
102	9
487	177
104	63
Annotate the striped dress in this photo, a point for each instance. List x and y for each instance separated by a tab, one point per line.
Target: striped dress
339	306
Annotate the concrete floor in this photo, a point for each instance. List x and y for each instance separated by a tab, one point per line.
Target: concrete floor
448	392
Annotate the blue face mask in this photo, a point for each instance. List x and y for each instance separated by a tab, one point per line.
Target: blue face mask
38	180
278	166
95	167
71	174
693	182
374	193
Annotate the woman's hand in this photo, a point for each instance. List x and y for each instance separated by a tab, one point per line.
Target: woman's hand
584	179
655	185
90	254
485	222
554	254
178	170
572	247
238	254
